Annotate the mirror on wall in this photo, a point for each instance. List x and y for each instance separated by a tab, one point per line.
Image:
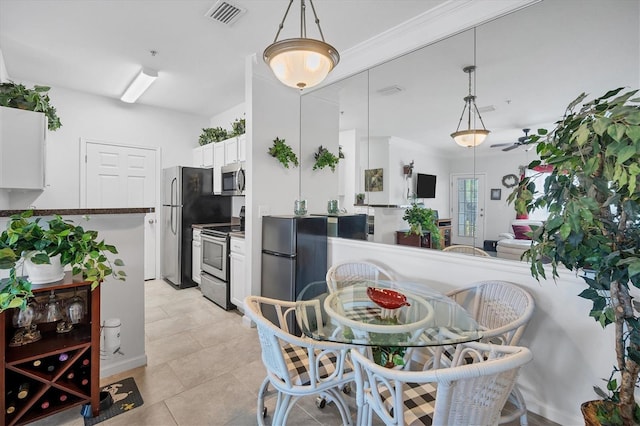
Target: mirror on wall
403	112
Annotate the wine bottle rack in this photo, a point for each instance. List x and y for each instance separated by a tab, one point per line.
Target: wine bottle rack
59	371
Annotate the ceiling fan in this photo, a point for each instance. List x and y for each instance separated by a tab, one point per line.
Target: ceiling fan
522	140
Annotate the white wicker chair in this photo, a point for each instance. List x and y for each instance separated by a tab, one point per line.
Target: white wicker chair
464	249
346	273
503	310
297	366
464	394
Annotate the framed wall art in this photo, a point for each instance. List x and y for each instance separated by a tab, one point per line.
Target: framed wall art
373	180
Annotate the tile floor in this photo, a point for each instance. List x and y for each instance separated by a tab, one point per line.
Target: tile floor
204	368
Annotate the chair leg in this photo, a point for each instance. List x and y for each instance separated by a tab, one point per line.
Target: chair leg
334	395
260	411
516	398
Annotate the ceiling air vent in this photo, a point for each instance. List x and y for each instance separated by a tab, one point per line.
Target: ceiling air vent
225	12
390	90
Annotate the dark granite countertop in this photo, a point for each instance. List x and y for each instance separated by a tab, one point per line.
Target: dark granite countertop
70	212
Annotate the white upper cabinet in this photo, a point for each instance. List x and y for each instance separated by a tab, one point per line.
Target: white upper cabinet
242	148
22	149
231	150
203	156
207	155
218	162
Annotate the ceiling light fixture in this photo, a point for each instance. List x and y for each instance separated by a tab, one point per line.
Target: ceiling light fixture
470	137
139	84
301	62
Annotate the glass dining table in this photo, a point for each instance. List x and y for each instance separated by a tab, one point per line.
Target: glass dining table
383	313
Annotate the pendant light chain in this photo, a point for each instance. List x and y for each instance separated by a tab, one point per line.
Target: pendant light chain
317	20
284	18
303	19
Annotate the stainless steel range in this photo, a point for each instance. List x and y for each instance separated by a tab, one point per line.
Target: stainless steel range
215	264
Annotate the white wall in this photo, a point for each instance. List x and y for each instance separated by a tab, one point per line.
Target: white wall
226	118
272	110
110	120
572	353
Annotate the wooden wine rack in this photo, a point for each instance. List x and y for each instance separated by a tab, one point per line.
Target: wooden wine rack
81	344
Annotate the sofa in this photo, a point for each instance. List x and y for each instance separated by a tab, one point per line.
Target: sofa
514	243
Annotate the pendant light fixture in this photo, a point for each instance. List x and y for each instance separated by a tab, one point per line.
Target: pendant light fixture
301	62
470	137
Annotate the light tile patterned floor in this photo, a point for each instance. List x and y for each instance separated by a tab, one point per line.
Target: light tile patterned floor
204	368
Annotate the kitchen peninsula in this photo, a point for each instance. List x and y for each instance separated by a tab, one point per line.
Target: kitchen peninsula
123	228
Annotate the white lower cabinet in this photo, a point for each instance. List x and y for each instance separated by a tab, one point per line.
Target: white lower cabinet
239	288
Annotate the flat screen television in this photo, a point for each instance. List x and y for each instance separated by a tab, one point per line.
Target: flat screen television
426	186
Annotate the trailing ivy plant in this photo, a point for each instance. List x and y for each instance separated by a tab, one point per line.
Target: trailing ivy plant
238	127
593	199
210	135
283	153
421	220
15	95
324	158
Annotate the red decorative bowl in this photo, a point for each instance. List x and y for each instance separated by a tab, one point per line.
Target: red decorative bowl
387	299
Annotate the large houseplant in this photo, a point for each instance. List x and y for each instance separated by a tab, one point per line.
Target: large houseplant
14	95
76	247
421	220
593	198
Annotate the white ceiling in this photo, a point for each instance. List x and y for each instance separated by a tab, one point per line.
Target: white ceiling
98	46
531	63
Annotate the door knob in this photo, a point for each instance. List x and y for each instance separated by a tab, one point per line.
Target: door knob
151	220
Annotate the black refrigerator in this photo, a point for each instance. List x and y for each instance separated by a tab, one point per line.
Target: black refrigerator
187	198
294	254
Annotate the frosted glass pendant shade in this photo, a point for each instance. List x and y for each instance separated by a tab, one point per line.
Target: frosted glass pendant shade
301	62
470	138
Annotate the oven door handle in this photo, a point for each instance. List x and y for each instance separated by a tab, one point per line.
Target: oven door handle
205	237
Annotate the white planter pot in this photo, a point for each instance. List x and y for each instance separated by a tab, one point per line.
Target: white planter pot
45	273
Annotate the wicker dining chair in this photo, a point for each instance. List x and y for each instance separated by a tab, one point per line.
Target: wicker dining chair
464	249
297	366
350	272
503	310
467	393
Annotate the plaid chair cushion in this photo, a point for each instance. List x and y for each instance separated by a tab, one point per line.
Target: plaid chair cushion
419	402
298	361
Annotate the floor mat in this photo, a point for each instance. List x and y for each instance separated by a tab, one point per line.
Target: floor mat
126	397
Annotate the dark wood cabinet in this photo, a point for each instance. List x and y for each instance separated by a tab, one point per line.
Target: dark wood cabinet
444	225
59	371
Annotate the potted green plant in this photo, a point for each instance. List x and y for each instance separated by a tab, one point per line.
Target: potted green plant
522	197
212	134
360	198
238	127
75	246
324	158
421	220
15	95
593	199
283	153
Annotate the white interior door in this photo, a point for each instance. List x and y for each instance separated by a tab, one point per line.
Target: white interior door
119	176
467	203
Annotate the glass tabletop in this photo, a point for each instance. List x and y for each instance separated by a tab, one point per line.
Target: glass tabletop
383	313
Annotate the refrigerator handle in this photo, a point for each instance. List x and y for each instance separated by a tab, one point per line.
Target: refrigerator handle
173	189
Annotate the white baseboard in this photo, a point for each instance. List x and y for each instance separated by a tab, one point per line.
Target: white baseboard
124	365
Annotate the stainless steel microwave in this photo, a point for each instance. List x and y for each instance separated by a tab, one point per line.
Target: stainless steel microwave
233	179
